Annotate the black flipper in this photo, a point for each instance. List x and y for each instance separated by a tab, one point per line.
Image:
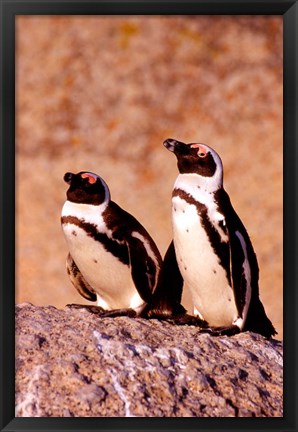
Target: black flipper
166	300
78	281
143	268
256	319
238	280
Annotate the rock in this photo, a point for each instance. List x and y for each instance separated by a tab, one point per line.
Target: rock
71	362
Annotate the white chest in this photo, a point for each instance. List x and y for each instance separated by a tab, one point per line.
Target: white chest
204	277
105	273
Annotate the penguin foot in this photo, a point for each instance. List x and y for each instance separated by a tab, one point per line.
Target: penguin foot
93	309
131	313
162	312
221	331
185	319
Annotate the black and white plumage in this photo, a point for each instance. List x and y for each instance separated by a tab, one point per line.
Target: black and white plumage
112	258
211	249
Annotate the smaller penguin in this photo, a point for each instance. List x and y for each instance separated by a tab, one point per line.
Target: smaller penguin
112	258
211	252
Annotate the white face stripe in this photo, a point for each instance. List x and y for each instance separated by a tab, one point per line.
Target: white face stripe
90	176
213	183
215	155
202	149
107	191
90	213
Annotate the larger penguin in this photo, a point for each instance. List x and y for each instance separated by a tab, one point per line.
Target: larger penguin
112	260
211	248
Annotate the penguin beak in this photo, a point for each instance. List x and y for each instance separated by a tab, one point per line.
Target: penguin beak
67	177
177	147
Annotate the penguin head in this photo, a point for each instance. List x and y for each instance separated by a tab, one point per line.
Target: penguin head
86	188
196	158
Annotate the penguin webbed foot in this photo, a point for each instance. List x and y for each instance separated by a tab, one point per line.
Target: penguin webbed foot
131	313
185	319
93	309
162	312
103	313
173	314
221	331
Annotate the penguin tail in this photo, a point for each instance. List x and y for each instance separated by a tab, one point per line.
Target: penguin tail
257	320
166	299
162	309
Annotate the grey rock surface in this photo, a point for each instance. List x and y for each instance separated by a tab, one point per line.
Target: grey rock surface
71	362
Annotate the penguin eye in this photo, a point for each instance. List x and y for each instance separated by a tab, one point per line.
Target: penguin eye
202	151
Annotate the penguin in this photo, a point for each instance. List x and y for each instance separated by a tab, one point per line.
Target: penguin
211	253
112	259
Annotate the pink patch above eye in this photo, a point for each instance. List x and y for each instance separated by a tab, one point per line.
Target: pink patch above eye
91	178
201	149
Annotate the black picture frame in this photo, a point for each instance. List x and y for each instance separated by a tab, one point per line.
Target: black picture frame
9	10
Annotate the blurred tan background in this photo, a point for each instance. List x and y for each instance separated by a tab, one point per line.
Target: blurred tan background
102	93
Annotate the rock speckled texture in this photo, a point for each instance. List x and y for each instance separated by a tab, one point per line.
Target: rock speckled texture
71	362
